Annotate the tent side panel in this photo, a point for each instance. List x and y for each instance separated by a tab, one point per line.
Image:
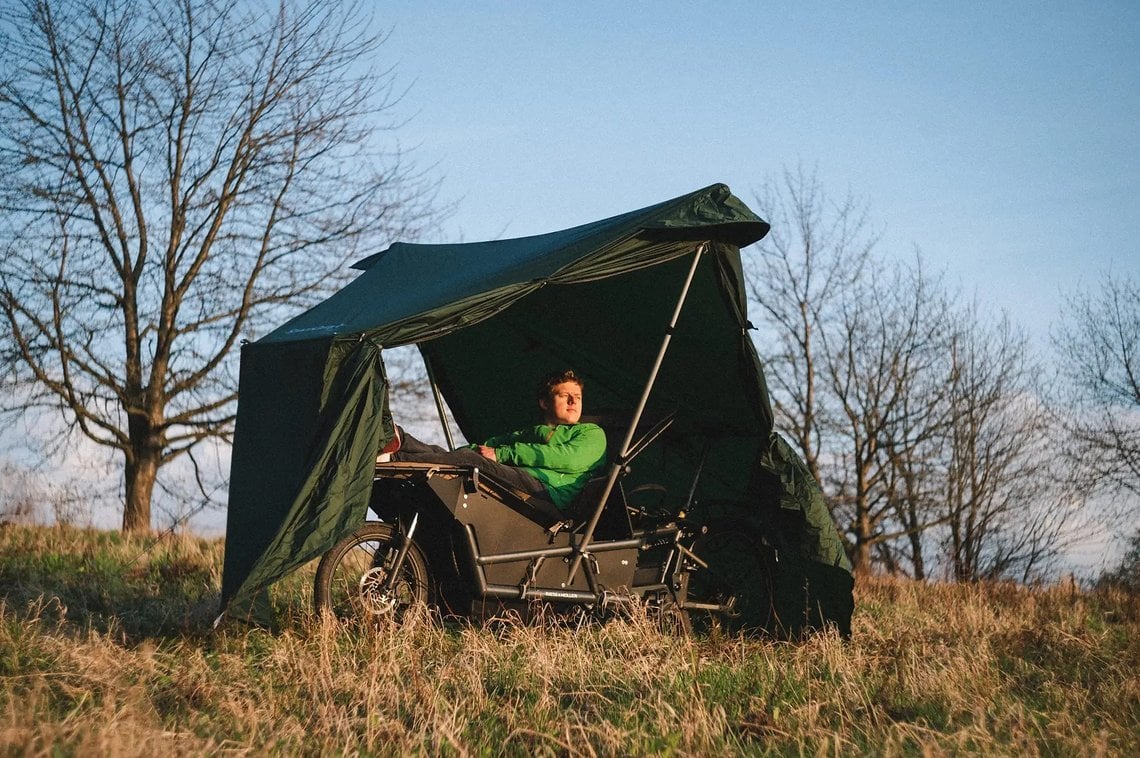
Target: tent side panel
815	585
331	498
280	388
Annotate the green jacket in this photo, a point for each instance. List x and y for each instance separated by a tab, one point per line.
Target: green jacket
562	457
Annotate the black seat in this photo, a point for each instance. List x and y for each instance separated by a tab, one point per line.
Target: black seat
616	424
614	523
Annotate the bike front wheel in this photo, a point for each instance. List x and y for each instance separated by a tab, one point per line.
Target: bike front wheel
355	581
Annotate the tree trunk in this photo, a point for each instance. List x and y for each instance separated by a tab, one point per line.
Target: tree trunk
916	549
861	560
141	473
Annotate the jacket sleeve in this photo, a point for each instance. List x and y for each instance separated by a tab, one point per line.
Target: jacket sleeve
572	449
509	438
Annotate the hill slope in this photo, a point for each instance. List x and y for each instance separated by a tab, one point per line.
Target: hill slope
106	646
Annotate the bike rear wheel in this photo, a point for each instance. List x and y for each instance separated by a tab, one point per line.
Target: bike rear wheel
671	619
738	566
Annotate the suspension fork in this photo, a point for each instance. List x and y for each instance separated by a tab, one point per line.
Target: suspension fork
401	555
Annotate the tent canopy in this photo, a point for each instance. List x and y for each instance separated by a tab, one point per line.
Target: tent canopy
411	292
491	318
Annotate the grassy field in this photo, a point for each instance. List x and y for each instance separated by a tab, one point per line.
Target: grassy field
106	647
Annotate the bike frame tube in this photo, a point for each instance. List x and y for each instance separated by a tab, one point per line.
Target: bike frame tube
484	590
615	468
697	477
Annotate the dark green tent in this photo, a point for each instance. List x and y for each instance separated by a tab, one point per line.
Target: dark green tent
490	318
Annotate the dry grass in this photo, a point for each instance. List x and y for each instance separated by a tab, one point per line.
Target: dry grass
107	648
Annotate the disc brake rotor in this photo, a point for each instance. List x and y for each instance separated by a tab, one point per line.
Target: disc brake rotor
376	600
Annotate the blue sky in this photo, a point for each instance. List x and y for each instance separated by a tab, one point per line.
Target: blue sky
1000	139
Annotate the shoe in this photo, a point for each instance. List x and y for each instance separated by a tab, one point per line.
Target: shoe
392	446
394	443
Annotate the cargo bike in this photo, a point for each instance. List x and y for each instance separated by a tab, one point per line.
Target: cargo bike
700	513
463	544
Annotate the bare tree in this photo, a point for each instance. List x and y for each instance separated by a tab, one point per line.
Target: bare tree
1005	513
1098	349
1126	575
171	175
891	335
814	284
914	479
815	253
924	425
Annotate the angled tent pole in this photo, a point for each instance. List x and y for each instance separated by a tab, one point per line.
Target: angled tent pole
617	465
438	402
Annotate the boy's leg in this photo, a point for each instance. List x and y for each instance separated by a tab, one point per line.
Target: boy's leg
465	456
409	444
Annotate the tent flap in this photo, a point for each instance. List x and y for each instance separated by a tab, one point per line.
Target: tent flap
810	577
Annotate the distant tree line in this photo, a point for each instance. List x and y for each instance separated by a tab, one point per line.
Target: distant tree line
941	440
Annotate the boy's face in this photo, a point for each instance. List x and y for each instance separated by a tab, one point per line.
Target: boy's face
564	406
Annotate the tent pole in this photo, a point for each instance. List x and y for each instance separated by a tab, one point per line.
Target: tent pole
616	467
438	402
